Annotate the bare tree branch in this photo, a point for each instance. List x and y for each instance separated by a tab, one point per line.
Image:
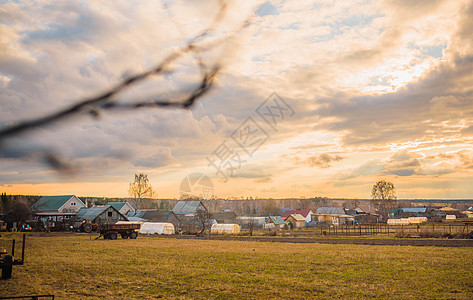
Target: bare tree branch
106	101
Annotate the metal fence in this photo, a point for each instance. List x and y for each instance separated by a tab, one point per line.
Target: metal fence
425	230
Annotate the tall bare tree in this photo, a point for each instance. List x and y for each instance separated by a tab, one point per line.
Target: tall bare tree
383	197
140	189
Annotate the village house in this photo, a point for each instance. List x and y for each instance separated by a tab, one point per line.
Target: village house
295	221
189	208
365	214
122	207
332	216
56	208
277	222
98	214
307	214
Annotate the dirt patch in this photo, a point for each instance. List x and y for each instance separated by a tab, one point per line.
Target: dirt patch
354	241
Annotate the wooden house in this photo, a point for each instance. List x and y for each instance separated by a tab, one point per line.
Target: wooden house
99	214
276	220
295	221
307	214
122	207
57	208
329	215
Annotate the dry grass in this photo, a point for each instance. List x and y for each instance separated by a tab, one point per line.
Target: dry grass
76	267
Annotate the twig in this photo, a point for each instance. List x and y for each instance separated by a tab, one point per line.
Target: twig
103	101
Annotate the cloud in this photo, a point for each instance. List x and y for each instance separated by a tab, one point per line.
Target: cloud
161	158
372	167
323	160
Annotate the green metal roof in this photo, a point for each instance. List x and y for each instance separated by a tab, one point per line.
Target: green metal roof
277	220
51	202
117	205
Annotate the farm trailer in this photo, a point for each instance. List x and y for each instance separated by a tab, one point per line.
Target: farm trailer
111	231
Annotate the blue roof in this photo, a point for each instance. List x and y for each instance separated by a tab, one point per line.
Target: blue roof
283	210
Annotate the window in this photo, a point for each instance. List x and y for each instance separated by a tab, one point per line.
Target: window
73	203
110	214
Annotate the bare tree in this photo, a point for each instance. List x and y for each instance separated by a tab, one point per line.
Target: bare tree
269	208
383	197
141	188
203	218
17	209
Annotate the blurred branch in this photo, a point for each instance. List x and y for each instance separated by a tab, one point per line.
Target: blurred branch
107	101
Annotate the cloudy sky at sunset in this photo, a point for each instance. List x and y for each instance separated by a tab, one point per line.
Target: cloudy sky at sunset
367	90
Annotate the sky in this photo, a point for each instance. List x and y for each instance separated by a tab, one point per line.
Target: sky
314	98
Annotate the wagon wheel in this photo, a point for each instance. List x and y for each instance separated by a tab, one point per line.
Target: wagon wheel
7	270
113	236
107	236
124	235
133	235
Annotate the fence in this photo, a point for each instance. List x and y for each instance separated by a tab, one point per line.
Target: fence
425	229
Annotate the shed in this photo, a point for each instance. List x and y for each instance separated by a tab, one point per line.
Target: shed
122	207
155	216
365	209
157	228
188	208
224	217
297	220
99	214
307	214
277	221
225	229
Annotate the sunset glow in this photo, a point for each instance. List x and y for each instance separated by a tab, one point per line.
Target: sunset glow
364	90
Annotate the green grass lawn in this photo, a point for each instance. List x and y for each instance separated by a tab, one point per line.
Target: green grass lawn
78	267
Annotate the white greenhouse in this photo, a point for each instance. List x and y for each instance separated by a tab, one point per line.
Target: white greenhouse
225	229
157	228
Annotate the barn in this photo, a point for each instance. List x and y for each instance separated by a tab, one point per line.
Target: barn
99	214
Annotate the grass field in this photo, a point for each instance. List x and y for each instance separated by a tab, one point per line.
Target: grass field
77	267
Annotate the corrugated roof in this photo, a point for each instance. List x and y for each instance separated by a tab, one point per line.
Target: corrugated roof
277	220
304	213
365	208
298	217
51	202
117	205
414	209
186	206
330	211
154	215
91	213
